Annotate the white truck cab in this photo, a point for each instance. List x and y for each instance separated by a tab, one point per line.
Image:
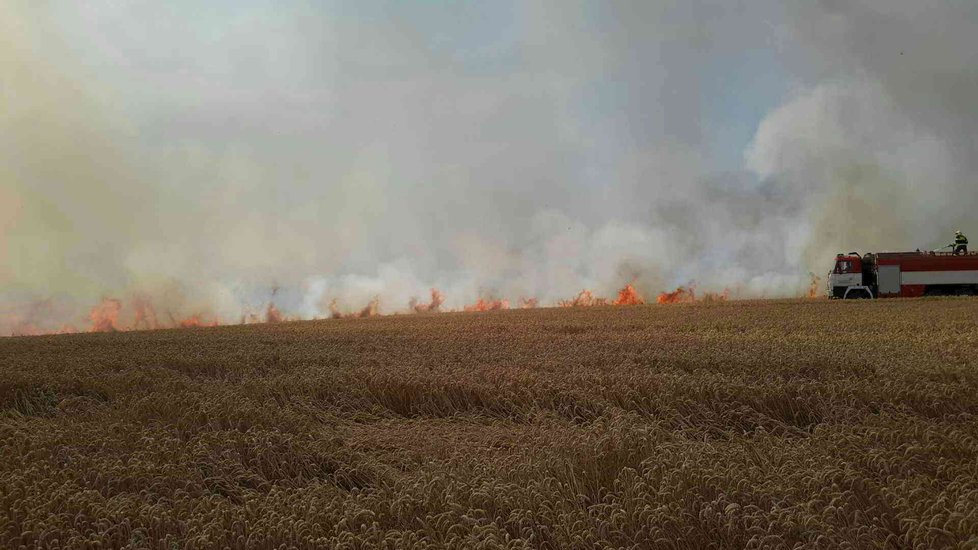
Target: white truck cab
848	278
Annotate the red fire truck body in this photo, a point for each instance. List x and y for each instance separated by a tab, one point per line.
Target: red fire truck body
903	274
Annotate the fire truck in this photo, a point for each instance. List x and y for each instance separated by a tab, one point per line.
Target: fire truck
903	274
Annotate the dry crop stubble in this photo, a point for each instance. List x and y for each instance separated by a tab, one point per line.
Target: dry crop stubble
754	424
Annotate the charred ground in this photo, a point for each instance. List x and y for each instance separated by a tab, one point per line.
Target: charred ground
738	424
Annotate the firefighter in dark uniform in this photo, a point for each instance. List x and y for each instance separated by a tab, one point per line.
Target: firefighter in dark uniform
960	243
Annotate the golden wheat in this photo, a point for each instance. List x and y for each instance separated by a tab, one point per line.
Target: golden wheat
780	424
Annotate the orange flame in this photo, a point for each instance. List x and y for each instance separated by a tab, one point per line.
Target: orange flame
680	295
197	321
105	316
628	296
687	294
583	299
192	321
334	310
32	321
488	305
145	314
372	309
437	299
814	286
272	314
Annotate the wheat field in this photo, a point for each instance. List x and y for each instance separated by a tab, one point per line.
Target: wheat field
745	424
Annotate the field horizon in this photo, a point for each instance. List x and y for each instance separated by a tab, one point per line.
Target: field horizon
791	423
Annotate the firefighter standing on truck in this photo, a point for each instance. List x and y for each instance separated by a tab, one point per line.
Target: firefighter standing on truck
960	243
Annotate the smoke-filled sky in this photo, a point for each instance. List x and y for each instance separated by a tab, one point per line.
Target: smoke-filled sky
210	154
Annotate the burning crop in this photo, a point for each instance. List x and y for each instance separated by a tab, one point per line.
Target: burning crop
584	298
141	312
488	305
196	321
273	315
372	309
146	317
628	296
815	286
437	299
110	315
678	296
105	316
688	294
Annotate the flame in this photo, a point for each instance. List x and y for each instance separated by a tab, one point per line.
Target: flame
583	299
145	313
628	296
192	321
334	310
272	314
105	316
680	295
31	321
197	321
372	309
35	318
687	294
437	299
488	305
814	286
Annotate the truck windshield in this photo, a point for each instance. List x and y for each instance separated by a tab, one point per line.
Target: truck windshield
843	266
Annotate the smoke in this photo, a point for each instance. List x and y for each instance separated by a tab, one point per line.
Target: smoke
881	149
216	160
869	178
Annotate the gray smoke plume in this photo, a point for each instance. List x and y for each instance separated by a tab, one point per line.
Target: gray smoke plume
217	159
880	143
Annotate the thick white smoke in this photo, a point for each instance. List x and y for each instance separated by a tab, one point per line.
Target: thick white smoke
869	179
880	150
220	159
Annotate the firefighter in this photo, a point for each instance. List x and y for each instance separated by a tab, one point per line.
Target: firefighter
960	243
